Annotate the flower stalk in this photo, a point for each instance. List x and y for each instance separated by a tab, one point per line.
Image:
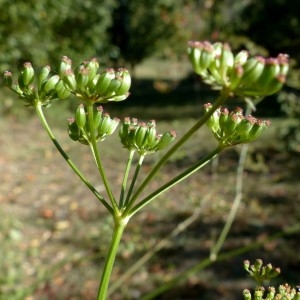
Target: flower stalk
44	122
120	224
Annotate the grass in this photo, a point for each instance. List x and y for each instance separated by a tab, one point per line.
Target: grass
54	234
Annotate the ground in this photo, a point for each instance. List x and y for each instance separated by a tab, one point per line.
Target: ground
54	234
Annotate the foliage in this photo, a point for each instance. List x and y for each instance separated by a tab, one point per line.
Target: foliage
127	30
257	22
39	31
144	28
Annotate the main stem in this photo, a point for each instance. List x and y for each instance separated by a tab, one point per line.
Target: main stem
120	224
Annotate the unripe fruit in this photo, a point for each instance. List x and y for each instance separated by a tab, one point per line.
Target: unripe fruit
27	73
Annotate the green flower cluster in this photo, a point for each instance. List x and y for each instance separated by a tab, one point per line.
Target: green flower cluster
143	138
42	87
262	273
85	82
259	272
79	127
284	292
89	85
243	75
232	128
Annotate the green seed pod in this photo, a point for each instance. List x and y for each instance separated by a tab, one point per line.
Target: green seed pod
73	129
258	294
119	98
124	133
271	293
141	135
226	60
216	77
194	54
257	129
82	78
70	80
253	68
206	57
218	47
107	126
61	90
151	134
125	82
113	125
241	58
93	66
232	121
213	121
103	128
50	83
98	116
80	116
27	73
246	265
274	272
235	76
250	63
247	295
258	265
131	137
268	268
283	60
244	127
166	139
92	84
16	88
275	85
223	116
8	79
104	81
270	71
65	65
113	86
44	73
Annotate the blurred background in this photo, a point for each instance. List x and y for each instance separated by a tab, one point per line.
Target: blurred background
49	228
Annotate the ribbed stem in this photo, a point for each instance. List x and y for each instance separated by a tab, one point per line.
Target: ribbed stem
120	225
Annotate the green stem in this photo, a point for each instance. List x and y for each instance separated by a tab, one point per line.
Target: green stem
220	101
171	183
183	276
120	224
96	154
129	202
186	173
158	245
125	178
44	122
